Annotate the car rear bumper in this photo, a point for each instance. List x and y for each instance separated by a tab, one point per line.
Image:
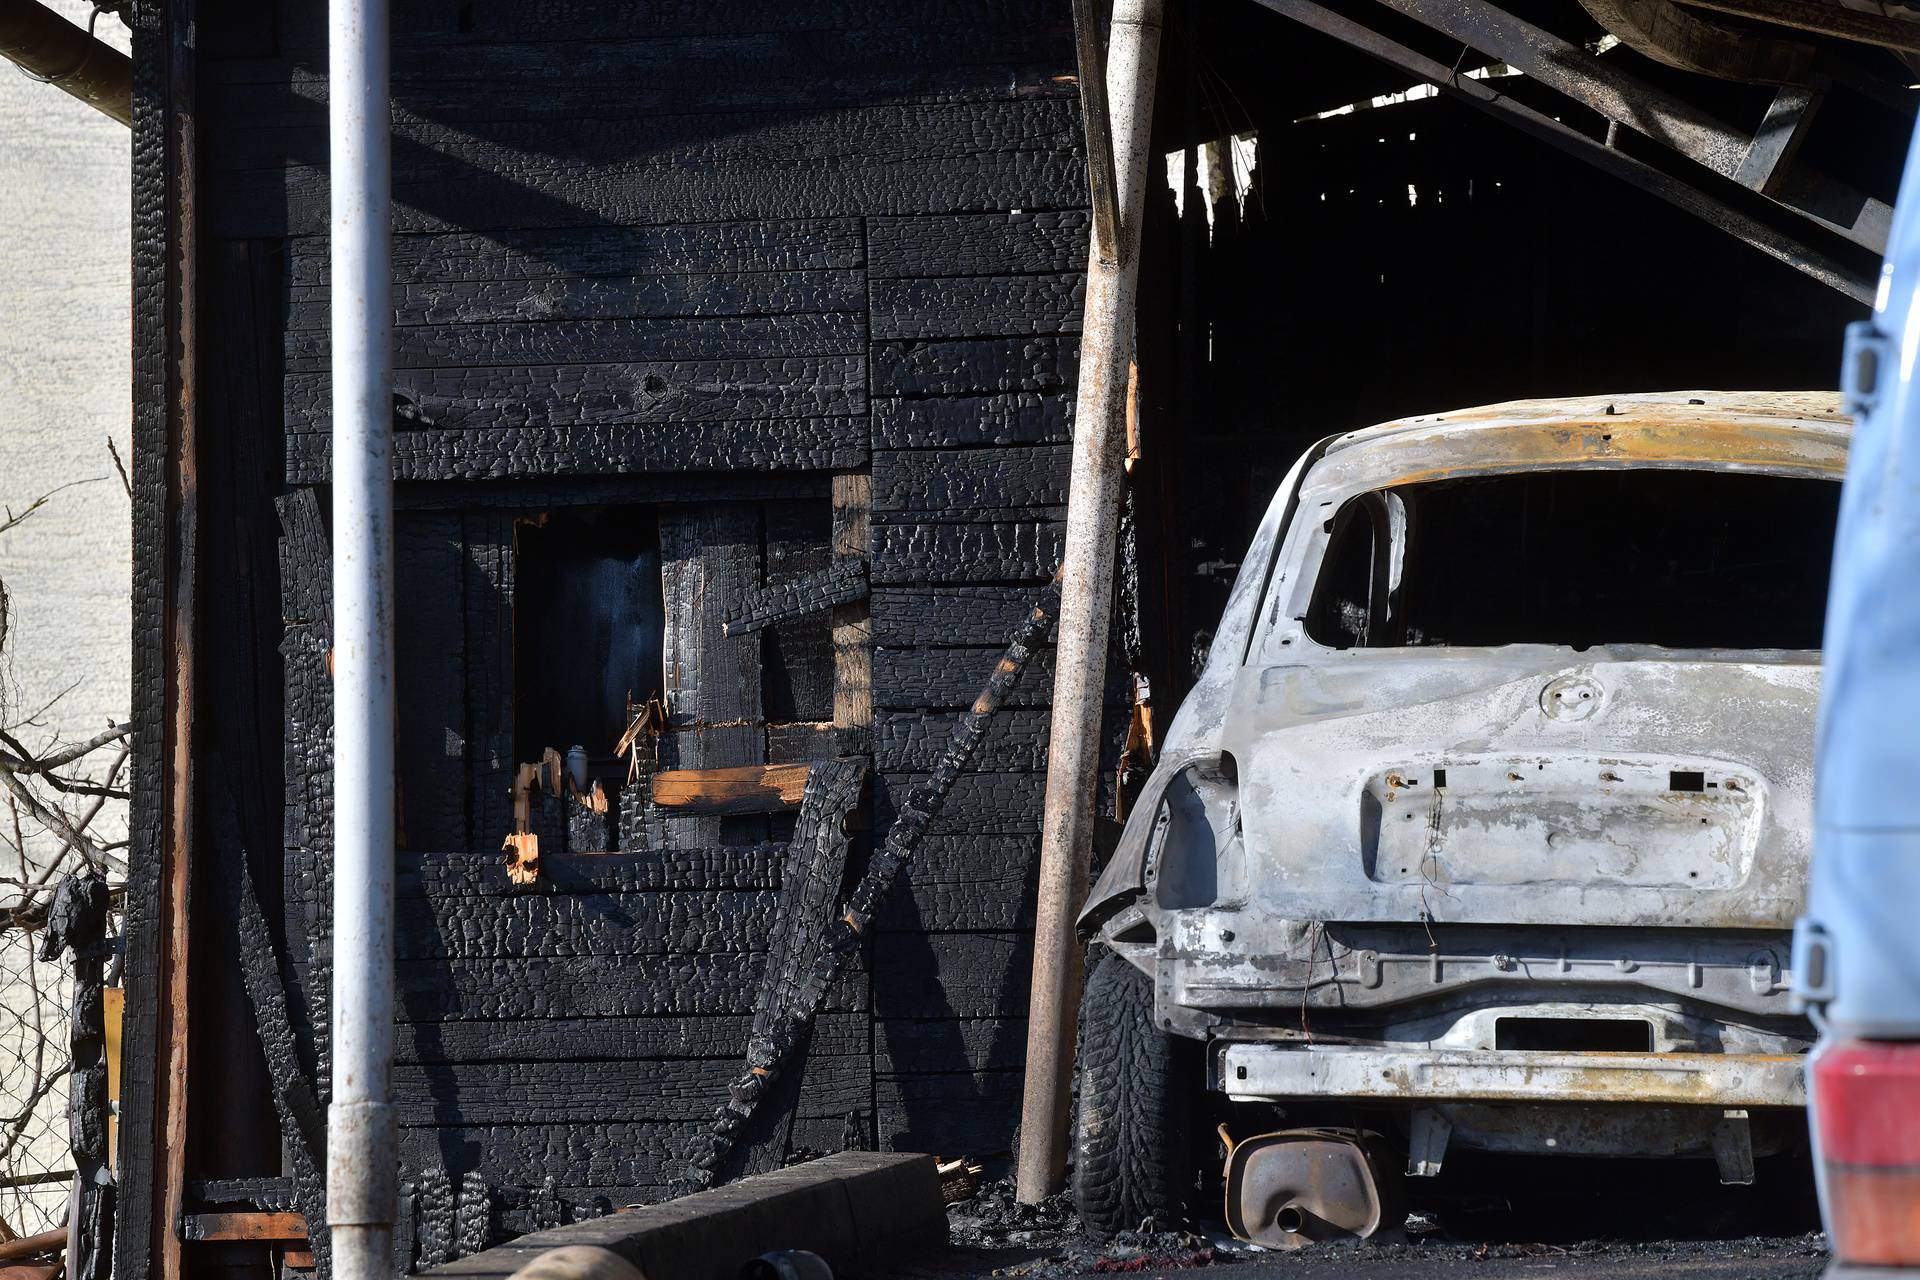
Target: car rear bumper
1259	1072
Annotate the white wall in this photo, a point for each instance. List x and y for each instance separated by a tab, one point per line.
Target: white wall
64	388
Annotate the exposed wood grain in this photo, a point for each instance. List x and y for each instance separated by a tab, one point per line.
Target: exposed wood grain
852	622
764	788
243	1226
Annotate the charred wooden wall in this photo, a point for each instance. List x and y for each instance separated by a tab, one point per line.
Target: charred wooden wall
753	274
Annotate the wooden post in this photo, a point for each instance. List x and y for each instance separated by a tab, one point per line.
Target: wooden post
1093	510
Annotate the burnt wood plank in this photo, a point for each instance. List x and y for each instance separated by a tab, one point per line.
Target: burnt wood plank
959	615
980	803
664	390
951	975
515	453
978	1114
580	298
796	653
566	258
954	422
909	679
482	874
948	1046
616	341
977	306
978	244
885	158
797	596
975	366
441	23
558	926
506	988
487	573
713	1036
970	479
430	645
926	552
548	1091
651	74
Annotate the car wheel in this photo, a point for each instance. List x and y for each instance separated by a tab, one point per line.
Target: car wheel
1132	1124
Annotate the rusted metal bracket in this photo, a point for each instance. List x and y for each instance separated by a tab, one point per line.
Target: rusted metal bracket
1483	96
798	596
1673	122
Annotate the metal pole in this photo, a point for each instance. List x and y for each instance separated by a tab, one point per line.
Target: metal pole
361	1156
48	47
1080	662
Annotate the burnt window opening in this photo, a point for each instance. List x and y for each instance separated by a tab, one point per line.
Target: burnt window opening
588	629
1676	559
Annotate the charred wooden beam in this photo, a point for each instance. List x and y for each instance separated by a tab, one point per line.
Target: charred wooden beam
798	596
1485	97
1775	143
1620	97
1703	43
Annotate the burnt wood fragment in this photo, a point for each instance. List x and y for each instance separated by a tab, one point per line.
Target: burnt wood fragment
952	422
964	480
769	1053
797	597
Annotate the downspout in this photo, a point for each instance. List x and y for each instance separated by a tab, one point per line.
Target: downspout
361	1155
1093	514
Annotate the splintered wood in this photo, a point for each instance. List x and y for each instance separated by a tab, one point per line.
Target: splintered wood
756	788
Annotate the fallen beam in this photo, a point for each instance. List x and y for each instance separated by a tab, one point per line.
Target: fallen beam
1481	95
863	1211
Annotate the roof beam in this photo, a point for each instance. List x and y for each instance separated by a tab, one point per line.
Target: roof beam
1568	68
1482	95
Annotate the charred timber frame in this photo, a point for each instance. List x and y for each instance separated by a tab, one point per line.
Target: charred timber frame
1485	97
1673	122
152	1156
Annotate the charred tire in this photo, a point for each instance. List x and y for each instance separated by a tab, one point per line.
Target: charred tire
1132	1124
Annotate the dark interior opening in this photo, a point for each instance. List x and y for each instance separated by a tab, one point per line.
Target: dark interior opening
1680	559
588	627
1574	1035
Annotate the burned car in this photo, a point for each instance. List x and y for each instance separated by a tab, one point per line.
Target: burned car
1487	823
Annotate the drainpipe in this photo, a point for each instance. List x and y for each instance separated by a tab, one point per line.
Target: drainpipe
1093	515
361	1155
49	48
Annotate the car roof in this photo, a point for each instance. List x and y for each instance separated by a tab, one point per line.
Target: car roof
1775	432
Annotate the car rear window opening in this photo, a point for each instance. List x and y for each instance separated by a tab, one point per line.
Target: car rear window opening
1679	559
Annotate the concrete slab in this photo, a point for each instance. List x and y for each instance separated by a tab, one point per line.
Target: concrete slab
863	1211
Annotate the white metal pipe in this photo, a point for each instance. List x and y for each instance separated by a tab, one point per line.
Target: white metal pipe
1093	515
361	1154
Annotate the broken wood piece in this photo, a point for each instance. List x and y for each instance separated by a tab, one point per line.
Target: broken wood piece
271	1225
754	788
523	857
798	596
959	1179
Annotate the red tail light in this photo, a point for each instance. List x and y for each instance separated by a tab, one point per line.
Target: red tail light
1866	1109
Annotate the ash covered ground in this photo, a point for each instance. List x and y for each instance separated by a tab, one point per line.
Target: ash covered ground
1602	1221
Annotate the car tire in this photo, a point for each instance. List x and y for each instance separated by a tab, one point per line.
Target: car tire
1132	1121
